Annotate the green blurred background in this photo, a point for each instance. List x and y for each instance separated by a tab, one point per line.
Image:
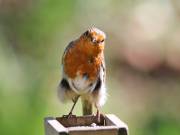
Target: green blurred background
142	58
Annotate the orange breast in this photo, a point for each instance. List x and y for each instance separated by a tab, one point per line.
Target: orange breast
83	58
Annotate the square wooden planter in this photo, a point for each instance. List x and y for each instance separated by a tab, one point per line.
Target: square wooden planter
84	125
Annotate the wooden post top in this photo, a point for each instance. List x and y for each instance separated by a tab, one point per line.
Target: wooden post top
80	125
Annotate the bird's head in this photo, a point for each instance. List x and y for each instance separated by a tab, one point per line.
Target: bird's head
94	36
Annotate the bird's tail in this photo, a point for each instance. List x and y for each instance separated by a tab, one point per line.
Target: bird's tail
87	107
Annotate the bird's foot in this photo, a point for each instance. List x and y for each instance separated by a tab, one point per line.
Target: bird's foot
70	115
100	118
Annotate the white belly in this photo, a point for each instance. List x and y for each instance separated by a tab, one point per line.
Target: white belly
81	84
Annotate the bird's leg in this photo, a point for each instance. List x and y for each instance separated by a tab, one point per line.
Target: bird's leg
98	115
100	118
75	101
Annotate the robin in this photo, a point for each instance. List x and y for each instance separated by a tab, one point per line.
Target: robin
84	72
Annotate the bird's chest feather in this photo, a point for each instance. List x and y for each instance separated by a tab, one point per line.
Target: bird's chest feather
82	65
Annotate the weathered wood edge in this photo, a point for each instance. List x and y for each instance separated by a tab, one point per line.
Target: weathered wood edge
53	127
91	128
81	121
114	120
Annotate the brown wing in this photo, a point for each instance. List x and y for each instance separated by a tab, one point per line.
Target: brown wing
70	45
104	69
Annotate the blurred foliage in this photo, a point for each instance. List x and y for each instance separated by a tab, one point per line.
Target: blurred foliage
27	34
142	58
31	29
160	125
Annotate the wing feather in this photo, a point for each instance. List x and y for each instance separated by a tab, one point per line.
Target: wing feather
70	45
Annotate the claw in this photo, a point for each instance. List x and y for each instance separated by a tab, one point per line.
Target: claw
70	115
100	118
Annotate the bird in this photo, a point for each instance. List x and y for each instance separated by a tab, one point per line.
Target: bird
84	72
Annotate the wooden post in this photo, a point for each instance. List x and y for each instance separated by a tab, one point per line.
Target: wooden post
85	125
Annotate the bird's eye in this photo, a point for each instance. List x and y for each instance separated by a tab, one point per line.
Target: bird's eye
102	40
